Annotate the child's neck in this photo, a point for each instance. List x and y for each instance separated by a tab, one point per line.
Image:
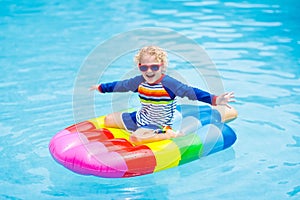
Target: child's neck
158	80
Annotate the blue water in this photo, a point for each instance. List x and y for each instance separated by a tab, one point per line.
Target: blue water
254	44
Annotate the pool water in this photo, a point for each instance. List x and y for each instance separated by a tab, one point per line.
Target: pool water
254	44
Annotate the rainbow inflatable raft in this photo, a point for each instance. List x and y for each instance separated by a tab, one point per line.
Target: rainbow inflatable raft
90	148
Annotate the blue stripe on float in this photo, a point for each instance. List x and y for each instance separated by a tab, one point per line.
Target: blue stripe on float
228	134
211	138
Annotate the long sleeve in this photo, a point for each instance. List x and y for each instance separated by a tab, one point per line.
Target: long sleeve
177	88
122	86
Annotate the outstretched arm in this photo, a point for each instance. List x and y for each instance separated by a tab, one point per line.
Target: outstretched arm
119	86
176	88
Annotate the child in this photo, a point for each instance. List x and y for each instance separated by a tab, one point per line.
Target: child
157	92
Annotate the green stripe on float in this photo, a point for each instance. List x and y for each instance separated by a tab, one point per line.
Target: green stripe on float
190	147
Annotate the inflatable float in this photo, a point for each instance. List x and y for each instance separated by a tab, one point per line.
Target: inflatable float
90	148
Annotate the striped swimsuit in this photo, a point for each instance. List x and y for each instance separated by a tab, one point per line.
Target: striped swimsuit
157	106
158	101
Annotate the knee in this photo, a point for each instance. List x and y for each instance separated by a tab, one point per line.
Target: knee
227	114
108	120
231	114
113	120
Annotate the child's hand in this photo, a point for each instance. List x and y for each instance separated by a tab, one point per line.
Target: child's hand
93	87
225	98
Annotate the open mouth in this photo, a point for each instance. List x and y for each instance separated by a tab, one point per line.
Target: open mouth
150	75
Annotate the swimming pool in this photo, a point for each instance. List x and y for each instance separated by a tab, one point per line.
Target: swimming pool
254	44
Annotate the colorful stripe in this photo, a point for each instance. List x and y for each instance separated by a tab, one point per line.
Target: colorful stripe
190	148
146	101
153	91
167	154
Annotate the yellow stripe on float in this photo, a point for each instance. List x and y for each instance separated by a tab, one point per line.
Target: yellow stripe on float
98	122
119	133
167	154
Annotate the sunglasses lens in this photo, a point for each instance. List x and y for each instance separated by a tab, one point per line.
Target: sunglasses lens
154	67
143	68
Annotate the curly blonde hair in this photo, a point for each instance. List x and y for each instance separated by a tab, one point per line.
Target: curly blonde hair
160	55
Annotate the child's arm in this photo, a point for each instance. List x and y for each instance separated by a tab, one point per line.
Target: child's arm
177	88
119	86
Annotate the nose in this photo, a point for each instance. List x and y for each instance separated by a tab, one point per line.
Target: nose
149	69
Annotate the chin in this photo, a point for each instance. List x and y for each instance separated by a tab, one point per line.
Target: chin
151	80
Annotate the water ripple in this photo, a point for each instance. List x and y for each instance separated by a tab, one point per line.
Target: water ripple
297	140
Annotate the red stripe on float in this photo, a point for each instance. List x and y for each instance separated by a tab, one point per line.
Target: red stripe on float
98	135
139	159
81	127
117	144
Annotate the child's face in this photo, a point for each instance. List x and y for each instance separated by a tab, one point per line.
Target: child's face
150	75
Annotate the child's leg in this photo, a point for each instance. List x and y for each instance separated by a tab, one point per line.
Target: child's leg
114	120
227	114
146	135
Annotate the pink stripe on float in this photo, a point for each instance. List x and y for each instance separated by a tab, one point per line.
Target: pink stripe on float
94	159
61	134
76	153
63	142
